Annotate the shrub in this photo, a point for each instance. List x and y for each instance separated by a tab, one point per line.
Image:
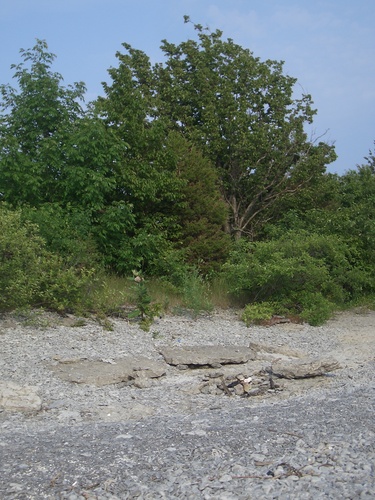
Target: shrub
316	309
30	275
307	274
258	312
67	232
146	310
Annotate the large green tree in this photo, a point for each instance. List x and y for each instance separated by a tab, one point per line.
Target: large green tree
35	125
203	213
241	112
173	190
62	159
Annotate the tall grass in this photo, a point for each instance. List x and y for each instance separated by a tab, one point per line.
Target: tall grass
194	295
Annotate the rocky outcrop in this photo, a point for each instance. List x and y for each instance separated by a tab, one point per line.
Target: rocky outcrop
105	372
212	355
305	368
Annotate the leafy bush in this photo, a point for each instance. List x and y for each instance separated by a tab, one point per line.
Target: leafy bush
305	273
66	231
316	309
258	312
30	275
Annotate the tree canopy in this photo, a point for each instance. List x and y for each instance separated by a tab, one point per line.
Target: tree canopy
240	111
35	124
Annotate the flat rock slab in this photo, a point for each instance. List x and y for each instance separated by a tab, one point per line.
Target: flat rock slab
211	355
264	351
102	373
306	368
14	397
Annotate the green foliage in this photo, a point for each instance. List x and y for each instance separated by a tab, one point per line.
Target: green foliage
22	257
145	309
67	232
30	275
343	207
203	214
35	125
258	312
237	111
315	308
195	296
301	272
241	112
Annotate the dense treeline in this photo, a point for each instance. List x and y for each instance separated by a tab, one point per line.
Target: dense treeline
199	166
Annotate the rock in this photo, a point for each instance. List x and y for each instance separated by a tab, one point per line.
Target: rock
257	391
234	385
101	373
142	380
239	389
14	397
303	368
212	355
266	351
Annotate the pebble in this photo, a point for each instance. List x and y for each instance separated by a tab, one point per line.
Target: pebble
167	441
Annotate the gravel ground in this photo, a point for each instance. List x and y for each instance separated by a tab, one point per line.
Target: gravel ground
315	439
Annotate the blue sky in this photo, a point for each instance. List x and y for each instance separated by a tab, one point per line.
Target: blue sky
329	46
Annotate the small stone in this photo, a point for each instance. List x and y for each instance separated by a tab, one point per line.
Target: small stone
205	389
246	387
239	389
216	375
141	381
15	488
57	404
23	466
197	432
255	392
292	478
225	478
279	472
